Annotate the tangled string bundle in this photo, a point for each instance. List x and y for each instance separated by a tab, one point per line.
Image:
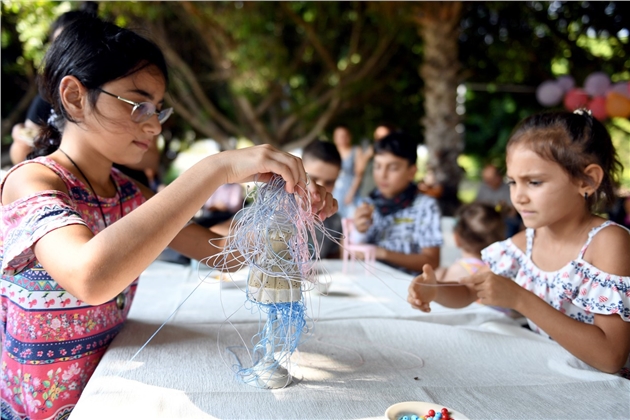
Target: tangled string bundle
271	237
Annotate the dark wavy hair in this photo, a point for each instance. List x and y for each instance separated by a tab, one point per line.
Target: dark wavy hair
95	52
574	141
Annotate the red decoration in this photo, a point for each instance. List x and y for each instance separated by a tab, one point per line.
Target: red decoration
598	108
575	98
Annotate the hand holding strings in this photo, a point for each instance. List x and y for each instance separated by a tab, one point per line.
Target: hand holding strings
260	163
493	289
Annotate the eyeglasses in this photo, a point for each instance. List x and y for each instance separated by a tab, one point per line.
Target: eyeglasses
144	110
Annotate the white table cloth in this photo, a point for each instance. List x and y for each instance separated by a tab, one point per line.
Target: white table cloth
368	350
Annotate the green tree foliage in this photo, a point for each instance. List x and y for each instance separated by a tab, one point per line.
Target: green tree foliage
276	73
282	72
24	38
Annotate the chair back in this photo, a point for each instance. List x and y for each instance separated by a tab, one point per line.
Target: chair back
347	224
349	249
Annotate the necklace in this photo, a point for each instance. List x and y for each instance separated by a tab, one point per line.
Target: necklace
94	191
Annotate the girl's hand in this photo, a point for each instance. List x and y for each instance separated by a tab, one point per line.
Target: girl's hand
420	296
493	289
259	163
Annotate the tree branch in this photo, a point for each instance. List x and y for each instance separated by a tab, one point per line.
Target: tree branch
196	89
312	36
355	35
318	127
250	115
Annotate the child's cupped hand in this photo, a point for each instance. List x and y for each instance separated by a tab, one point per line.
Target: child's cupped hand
420	295
493	289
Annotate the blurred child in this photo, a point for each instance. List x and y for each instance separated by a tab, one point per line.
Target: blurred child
569	271
322	163
402	222
477	226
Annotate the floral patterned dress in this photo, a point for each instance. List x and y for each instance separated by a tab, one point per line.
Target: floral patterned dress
578	289
52	341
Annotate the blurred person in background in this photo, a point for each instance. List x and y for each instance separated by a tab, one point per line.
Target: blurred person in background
322	163
349	180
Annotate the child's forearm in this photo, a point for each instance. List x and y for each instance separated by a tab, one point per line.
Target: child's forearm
413	262
605	346
455	296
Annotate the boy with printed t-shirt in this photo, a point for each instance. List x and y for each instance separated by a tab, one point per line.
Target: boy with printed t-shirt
403	223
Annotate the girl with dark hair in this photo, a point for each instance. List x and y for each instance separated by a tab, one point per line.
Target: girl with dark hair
76	233
569	271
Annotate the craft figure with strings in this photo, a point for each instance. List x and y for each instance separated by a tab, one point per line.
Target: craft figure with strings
271	237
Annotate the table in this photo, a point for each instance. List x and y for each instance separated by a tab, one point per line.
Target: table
368	350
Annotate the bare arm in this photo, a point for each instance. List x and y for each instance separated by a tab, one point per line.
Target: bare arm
23	136
413	262
97	268
422	291
608	337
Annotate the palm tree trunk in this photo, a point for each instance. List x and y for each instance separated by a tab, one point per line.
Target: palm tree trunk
438	26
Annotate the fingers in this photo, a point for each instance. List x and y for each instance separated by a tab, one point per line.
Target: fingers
362	224
418	304
364	210
473	280
288	166
329	206
428	271
298	174
418	297
318	195
261	162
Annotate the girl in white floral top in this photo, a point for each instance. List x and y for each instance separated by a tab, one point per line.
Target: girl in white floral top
569	272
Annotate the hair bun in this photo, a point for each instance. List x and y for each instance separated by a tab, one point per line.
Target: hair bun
90	8
583	111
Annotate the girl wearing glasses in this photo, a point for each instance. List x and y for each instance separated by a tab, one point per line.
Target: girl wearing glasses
70	260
